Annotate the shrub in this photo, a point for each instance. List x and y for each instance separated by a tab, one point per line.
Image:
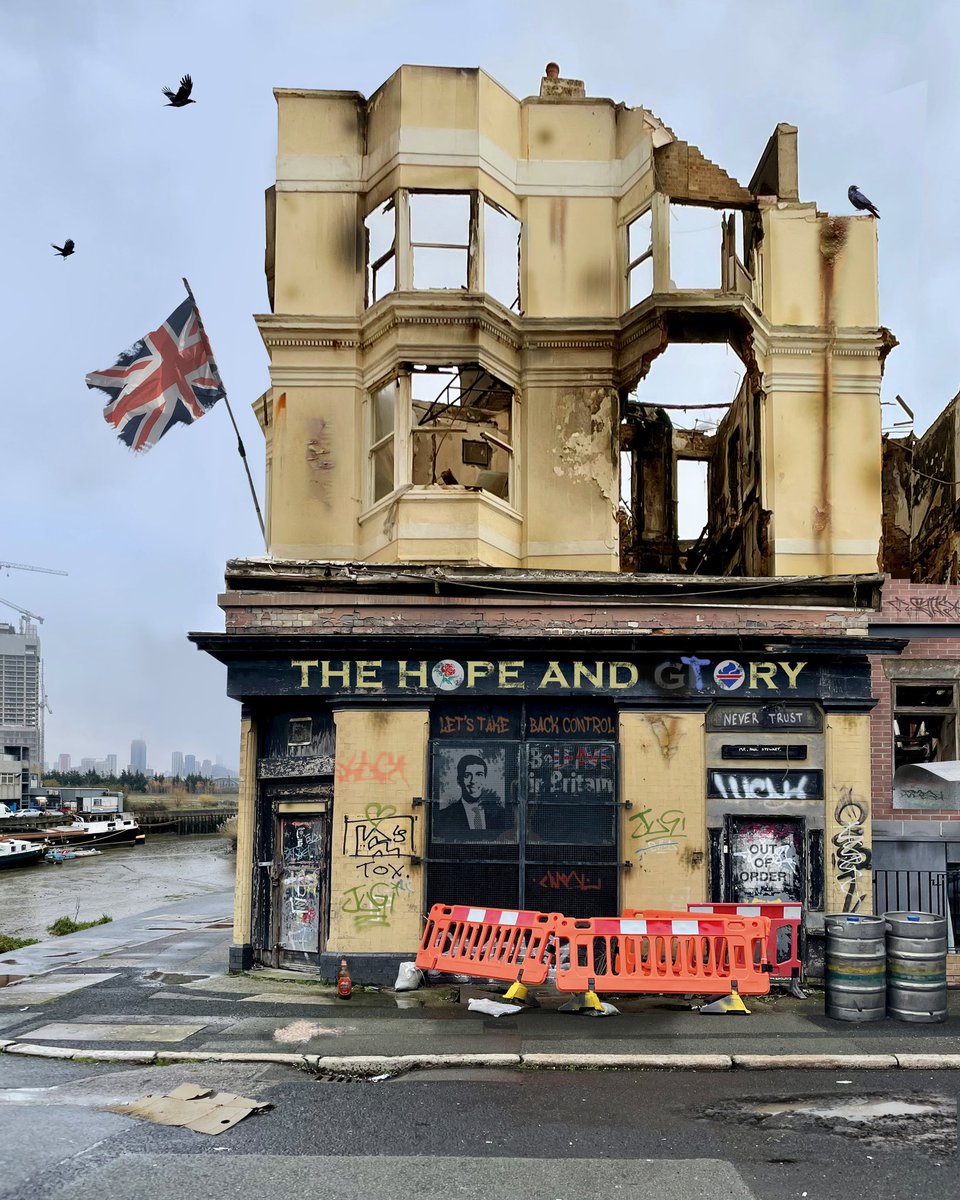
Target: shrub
65	925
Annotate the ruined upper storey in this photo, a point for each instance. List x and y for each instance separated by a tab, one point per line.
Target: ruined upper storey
465	289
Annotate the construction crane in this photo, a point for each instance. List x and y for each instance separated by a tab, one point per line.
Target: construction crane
23	611
6	566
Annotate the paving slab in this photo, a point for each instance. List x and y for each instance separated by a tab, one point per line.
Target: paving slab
88	1031
156	1177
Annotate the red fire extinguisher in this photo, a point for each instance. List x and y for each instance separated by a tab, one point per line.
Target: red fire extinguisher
344	982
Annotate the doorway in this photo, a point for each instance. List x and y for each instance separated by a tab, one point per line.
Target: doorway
299	883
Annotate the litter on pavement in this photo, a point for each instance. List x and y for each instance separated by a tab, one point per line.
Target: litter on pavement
192	1107
493	1008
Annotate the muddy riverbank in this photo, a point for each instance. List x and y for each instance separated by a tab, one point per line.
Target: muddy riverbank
122	881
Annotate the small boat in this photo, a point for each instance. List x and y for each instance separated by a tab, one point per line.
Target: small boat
17	853
59	856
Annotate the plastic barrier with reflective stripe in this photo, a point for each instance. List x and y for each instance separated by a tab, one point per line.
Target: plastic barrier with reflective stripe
783	947
663	952
490	943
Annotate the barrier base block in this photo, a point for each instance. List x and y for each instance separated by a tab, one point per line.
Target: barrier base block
725	1004
582	1002
520	994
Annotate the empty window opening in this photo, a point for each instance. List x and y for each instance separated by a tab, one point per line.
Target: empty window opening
381	227
452	241
501	255
691	498
462	429
440	239
693	382
696	247
924	723
639	258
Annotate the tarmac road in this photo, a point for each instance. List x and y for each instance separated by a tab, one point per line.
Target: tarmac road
537	1135
155	986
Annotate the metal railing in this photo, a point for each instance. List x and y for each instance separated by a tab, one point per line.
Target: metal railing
920	891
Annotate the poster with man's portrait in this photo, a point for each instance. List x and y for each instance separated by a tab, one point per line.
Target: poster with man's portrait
470	785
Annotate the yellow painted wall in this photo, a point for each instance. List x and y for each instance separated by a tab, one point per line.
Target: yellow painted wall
662	775
570	475
849	823
381	766
568	132
569	264
314	476
797	247
822	477
319	254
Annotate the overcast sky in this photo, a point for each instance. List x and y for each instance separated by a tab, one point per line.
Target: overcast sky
150	193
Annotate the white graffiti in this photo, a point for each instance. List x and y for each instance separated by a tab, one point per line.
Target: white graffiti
759	787
766	869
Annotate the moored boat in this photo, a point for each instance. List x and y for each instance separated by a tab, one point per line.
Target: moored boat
117	829
16	852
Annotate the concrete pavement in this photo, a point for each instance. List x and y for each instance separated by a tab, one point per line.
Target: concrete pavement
154	988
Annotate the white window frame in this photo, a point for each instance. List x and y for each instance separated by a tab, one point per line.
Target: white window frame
403	434
403	248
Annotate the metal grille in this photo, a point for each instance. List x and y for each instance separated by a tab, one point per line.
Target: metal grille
549	835
920	891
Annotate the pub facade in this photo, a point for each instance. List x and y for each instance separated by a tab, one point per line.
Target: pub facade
509	755
478	662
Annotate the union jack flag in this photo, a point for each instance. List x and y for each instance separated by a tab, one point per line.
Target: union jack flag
167	378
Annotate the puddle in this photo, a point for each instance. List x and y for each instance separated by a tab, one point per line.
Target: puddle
851	1110
911	1120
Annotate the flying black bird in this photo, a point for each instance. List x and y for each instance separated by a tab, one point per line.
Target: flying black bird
859	200
66	249
182	95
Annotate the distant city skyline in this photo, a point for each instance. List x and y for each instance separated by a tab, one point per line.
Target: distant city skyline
180	763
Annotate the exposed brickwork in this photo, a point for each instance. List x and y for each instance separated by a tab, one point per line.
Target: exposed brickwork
684	173
448	616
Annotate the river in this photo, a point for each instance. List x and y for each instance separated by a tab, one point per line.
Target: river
122	881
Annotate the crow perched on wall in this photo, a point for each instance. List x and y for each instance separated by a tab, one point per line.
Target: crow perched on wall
182	95
859	200
66	249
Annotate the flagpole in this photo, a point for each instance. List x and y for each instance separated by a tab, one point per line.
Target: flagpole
226	399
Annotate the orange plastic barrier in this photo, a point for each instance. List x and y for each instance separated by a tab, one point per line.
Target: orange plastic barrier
663	952
783	946
490	943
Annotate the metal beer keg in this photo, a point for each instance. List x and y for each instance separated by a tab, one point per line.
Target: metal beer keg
856	977
916	966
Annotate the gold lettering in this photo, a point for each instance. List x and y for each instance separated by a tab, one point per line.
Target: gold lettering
553	674
305	664
343	674
364	677
632	676
508	674
764	671
792	671
478	670
580	673
419	670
